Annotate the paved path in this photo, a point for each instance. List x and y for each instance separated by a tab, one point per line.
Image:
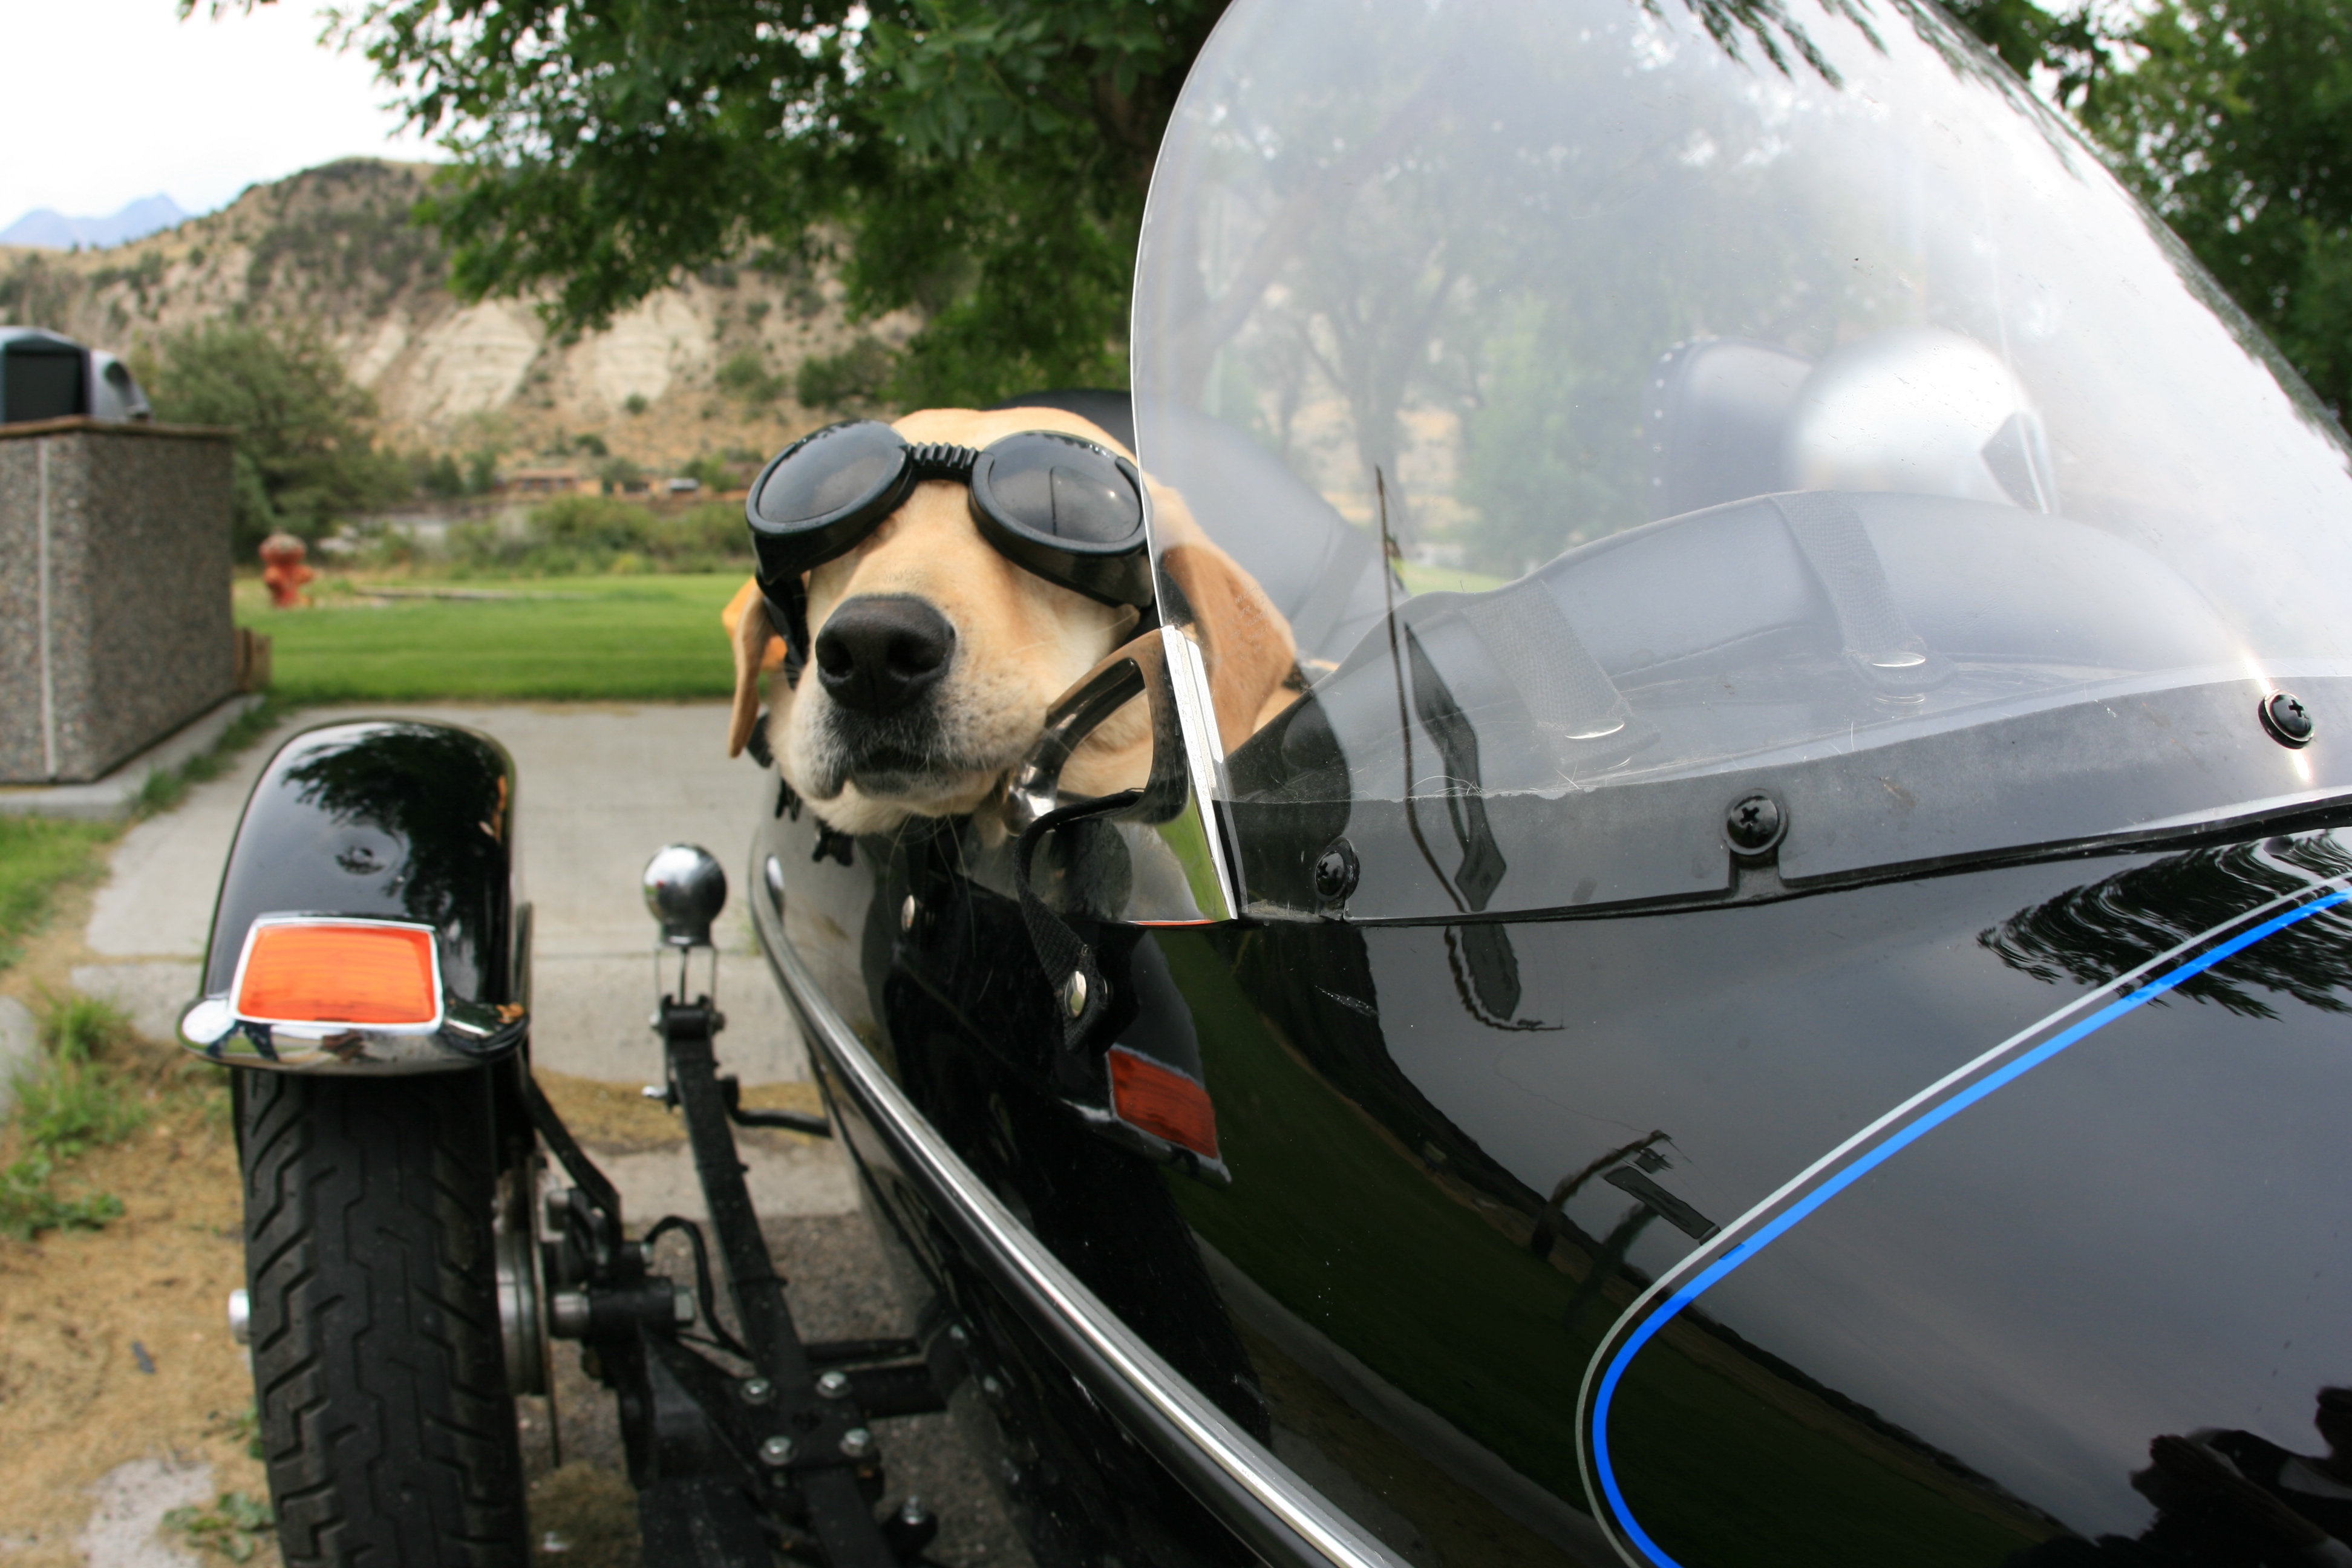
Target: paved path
600	787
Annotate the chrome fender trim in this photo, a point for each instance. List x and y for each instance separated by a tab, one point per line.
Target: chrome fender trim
1254	1494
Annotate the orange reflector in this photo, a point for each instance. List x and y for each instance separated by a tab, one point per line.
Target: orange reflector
325	972
1162	1102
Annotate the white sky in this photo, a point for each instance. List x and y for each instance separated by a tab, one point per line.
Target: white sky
109	101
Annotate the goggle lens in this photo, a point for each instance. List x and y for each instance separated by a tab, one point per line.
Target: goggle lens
828	473
1062	488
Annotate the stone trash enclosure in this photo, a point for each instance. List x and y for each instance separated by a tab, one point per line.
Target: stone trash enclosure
114	591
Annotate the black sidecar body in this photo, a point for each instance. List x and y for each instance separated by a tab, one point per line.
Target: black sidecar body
1780	994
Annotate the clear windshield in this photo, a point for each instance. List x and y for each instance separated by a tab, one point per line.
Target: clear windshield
1794	409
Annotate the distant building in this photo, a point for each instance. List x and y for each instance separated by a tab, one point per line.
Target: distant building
684	487
542	482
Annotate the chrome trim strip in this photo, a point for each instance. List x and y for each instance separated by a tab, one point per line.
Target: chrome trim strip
1296	1523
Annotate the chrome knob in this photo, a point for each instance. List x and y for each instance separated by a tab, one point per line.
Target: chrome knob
685	890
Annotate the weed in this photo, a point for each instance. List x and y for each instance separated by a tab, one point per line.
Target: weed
233	1524
74	1100
240	1426
71	1099
28	1205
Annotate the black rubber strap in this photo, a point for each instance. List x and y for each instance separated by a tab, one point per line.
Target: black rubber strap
1061	951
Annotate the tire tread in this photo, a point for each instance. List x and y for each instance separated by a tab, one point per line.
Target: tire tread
386	1422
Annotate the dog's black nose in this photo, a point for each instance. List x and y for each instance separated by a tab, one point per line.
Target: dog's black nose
879	652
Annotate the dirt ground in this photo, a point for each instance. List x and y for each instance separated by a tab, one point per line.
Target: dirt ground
85	1316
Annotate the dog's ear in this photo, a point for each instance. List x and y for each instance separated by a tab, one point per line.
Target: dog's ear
1245	641
755	642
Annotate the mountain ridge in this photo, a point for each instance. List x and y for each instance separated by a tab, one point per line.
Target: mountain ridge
49	229
706	365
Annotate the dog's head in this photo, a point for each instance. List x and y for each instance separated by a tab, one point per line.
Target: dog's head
934	658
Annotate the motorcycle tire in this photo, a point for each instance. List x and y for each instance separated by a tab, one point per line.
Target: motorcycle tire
387	1423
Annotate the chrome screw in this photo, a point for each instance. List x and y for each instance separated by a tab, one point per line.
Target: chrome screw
776	1451
856	1443
756	1390
908	911
833	1385
2287	720
1074	993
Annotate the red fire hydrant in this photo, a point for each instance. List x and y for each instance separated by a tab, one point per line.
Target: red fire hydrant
283	571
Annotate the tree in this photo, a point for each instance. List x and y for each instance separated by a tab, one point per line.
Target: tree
2233	118
304	457
984	161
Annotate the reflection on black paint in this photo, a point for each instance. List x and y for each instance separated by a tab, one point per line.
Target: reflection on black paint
1481	870
2229	1499
380	819
404	781
2092	934
1486	969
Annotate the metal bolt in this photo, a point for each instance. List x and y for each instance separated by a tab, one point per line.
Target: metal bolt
833	1385
912	1510
1074	994
568	1314
240	1317
1754	824
908	911
992	1387
856	1443
959	1334
1336	870
2287	720
776	1451
756	1390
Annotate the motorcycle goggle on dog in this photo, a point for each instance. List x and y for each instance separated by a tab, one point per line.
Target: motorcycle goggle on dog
1060	506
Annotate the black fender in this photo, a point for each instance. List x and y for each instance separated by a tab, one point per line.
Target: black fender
394	820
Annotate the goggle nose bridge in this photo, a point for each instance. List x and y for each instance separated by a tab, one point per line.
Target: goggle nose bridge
942	460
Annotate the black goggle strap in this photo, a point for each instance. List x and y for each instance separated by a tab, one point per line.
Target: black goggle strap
787	604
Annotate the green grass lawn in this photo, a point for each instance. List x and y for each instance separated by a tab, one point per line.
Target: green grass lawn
39	854
633	638
1446	579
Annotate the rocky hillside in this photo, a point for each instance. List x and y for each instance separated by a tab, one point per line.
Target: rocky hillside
707	366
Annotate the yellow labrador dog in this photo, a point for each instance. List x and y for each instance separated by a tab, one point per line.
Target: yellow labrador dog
935	658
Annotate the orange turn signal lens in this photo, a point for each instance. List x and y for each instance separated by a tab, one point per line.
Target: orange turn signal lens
1162	1102
326	971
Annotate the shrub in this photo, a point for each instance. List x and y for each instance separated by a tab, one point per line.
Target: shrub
304	457
858	374
605	533
745	374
